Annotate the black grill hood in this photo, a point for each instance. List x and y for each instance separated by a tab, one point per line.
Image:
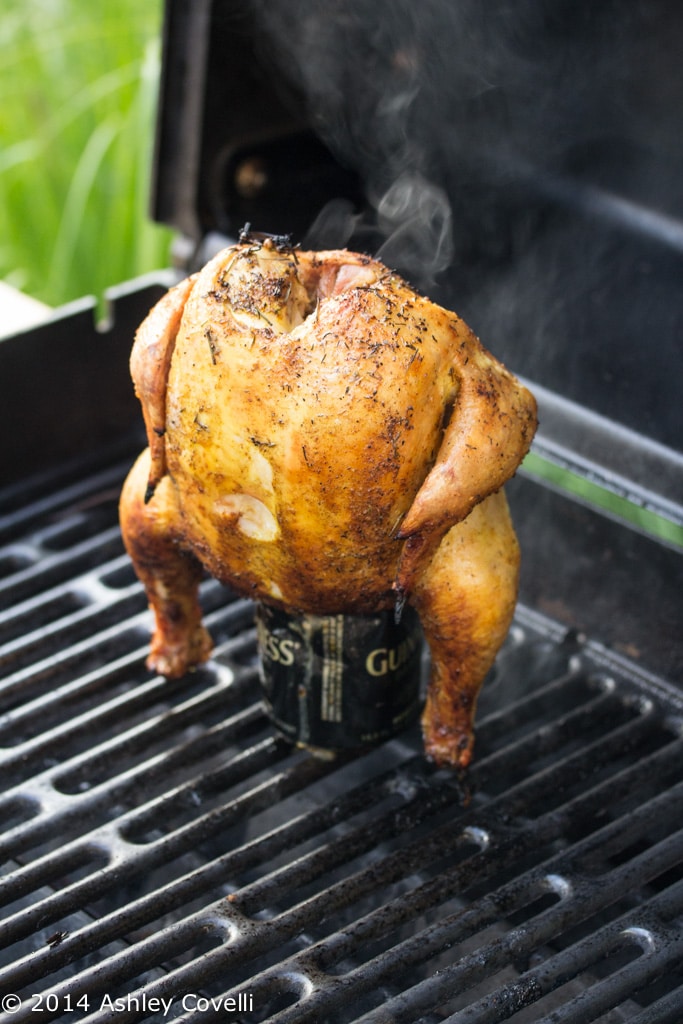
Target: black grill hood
520	162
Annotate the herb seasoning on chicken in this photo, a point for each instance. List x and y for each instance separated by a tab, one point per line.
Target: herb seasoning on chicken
326	440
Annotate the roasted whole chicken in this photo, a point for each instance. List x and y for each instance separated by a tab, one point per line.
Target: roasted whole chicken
324	439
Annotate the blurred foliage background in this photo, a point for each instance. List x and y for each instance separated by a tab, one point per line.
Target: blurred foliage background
78	93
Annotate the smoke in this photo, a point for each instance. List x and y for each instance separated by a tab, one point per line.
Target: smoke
513	155
415	217
441	105
411	228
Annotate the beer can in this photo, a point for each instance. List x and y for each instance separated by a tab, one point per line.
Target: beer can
339	682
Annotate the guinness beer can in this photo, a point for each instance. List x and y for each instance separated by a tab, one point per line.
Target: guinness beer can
340	682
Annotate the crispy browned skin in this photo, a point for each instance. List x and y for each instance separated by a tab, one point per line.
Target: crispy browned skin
324	439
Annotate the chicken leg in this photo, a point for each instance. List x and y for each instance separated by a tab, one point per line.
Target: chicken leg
170	573
465	598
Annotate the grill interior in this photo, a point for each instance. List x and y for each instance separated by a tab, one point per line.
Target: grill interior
161	843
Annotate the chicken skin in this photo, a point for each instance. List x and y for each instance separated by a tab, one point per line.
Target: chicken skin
326	440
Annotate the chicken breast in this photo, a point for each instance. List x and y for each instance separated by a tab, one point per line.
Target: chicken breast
324	439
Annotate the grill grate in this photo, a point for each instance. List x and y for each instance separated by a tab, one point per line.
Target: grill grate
160	843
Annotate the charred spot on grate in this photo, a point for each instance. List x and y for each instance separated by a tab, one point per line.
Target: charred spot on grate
160	840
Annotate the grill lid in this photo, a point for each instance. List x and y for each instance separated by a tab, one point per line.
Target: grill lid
521	165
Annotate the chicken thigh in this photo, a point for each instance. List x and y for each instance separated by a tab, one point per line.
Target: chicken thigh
324	439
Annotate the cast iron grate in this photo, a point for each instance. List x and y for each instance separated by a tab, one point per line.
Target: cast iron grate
161	844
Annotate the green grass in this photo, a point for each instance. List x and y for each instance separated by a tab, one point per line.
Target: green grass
644	519
78	90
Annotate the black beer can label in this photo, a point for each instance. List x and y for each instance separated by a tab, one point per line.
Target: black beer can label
339	682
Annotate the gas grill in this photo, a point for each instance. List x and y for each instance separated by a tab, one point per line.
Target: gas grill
166	856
